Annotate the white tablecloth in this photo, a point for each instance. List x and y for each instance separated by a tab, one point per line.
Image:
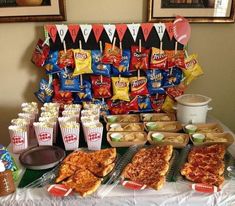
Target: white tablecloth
178	193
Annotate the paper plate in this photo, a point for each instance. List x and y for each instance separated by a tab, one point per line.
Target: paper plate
42	157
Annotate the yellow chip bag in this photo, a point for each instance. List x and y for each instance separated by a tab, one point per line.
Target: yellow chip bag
168	105
192	69
120	88
82	62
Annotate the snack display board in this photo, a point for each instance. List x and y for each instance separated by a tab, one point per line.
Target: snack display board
125	68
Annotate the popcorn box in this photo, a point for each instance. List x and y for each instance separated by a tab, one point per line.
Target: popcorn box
19	138
44	133
93	135
53	121
70	137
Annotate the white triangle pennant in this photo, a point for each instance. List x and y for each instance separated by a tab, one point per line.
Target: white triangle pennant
160	28
133	28
86	30
62	30
110	30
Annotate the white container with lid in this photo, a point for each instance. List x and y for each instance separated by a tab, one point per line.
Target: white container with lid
192	108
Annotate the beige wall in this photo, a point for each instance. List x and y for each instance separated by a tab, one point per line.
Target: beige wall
215	44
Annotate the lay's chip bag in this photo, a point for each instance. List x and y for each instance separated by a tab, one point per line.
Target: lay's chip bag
120	88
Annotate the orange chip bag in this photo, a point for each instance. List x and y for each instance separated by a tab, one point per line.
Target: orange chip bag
101	86
120	88
82	62
138	86
158	59
112	55
192	69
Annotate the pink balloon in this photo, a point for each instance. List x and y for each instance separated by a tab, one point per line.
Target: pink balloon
182	30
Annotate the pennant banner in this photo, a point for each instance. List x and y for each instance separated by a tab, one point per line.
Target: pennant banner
146	28
133	28
86	30
52	30
62	30
110	30
97	29
169	28
73	30
121	30
160	28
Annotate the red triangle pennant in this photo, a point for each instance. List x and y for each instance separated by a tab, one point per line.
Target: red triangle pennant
52	30
169	28
121	30
73	30
146	29
97	29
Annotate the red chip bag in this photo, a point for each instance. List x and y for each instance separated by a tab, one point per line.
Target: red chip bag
157	102
101	86
133	105
138	86
112	55
176	91
40	53
117	107
139	60
66	59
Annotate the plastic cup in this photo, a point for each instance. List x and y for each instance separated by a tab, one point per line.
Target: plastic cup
157	136
111	119
198	137
190	128
116	137
115	126
151	126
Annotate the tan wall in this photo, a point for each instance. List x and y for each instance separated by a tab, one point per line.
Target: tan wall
214	43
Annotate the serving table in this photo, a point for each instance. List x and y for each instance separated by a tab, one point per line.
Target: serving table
173	193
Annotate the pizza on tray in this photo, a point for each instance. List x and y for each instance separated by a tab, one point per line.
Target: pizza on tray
205	165
83	171
149	166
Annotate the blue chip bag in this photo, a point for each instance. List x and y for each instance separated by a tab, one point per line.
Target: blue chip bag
144	104
7	159
172	77
155	81
51	63
45	92
104	109
68	82
99	68
84	93
123	68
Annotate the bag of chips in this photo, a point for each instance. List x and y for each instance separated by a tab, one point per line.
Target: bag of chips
112	55
155	81
138	86
40	53
144	104
133	105
175	59
117	107
192	69
158	59
176	91
172	77
45	92
66	59
123	68
98	67
104	110
51	63
168	105
82	62
84	93
157	102
101	86
68	82
139	60
120	88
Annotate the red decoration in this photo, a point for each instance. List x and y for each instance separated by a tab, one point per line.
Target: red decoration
121	30
73	30
169	28
146	28
97	29
52	30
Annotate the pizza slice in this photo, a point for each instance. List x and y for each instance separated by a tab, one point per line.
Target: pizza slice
83	182
104	156
65	171
100	170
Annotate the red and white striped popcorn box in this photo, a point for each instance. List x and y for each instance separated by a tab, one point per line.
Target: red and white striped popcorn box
21	122
31	118
31	110
19	138
93	135
44	133
70	134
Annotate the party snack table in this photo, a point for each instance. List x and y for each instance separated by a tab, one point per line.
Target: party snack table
173	193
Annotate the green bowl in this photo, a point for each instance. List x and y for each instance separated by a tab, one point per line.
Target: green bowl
198	137
157	137
116	137
190	128
151	126
111	119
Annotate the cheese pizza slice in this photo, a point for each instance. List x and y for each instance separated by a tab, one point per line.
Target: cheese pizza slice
65	171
